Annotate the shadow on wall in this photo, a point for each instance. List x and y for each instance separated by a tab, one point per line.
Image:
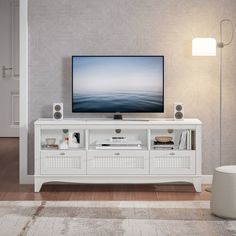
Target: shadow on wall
46	111
67	85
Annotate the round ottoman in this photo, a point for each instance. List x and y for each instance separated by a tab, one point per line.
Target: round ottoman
223	199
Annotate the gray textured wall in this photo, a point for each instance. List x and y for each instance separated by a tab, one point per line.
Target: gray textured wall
61	28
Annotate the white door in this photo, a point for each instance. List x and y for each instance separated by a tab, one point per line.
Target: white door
9	68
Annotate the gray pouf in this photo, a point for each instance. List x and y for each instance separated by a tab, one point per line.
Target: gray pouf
223	199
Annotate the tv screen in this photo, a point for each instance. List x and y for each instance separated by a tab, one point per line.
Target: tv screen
118	84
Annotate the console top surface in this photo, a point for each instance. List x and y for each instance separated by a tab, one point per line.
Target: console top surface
110	121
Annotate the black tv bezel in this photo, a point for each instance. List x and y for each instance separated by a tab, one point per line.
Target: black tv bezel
104	112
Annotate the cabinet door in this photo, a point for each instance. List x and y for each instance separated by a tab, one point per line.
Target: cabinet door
172	162
117	162
63	162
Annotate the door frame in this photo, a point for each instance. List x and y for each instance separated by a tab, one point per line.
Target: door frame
24	178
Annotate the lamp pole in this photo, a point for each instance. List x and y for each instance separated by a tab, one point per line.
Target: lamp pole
220	45
207	47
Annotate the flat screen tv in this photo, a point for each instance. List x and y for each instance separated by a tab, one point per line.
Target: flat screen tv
117	84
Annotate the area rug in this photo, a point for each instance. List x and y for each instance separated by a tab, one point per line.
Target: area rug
115	218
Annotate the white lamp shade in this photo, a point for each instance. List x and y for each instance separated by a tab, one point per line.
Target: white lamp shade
204	47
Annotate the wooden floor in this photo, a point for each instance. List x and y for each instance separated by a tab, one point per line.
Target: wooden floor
11	190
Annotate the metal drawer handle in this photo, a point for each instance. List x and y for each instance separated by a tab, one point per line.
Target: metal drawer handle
62	153
117	153
172	153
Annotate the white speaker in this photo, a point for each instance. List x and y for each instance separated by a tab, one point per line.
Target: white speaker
57	111
178	111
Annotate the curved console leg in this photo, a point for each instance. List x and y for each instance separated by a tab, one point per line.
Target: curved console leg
197	183
37	185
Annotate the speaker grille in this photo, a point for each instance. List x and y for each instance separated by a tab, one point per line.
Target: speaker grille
178	115
178	108
57	115
57	108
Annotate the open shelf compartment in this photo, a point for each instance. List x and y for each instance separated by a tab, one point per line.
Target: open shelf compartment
122	139
51	139
181	139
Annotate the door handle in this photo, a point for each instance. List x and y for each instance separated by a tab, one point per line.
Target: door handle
4	69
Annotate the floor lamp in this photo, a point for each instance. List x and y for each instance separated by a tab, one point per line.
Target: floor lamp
207	47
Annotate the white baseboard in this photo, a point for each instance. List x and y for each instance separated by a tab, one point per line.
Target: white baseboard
29	179
207	179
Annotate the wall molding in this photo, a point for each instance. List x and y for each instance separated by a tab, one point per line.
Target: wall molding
14	111
23	167
15	38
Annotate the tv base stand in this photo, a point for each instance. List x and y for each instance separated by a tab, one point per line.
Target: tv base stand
83	162
118	116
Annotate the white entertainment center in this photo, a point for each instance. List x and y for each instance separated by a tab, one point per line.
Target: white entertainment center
117	151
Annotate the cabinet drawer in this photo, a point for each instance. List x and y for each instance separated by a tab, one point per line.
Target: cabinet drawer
172	162
117	162
63	162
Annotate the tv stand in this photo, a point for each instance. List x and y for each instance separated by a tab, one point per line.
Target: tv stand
87	162
117	116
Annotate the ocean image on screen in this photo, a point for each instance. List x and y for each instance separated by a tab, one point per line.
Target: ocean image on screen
118	84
